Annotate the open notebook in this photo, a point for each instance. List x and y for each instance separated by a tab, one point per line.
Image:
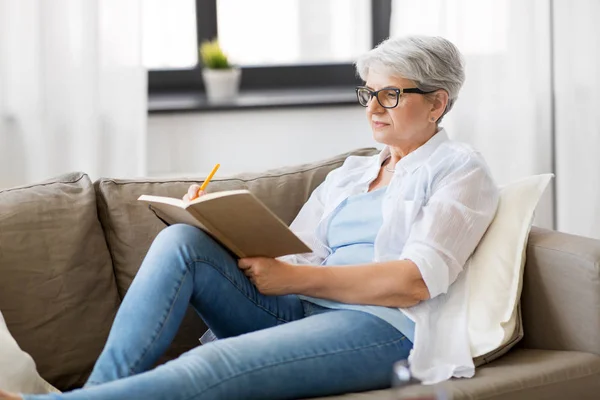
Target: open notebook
235	218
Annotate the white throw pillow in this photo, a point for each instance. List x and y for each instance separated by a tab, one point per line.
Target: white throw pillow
18	373
495	269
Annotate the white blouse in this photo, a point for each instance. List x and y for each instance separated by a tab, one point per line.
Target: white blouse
437	206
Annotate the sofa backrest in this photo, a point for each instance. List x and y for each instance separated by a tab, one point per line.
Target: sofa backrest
130	227
57	288
561	292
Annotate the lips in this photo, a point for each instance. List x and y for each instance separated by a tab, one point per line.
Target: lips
378	124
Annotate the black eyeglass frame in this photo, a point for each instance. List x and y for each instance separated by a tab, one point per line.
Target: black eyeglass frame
399	92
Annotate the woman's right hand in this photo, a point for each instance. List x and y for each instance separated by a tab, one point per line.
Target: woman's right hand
193	193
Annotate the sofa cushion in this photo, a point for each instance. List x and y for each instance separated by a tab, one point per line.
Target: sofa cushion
522	374
561	292
130	227
57	288
18	372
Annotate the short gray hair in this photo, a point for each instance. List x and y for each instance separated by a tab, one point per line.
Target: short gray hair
431	61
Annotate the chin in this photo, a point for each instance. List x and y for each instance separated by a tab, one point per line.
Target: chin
383	137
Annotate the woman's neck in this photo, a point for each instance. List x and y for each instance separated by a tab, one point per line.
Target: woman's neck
402	150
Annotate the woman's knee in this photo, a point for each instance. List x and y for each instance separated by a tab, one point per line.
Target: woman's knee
175	236
188	243
178	241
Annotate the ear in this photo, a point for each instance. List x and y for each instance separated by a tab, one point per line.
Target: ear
438	103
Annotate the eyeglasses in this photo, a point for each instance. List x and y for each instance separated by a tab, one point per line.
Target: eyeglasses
387	97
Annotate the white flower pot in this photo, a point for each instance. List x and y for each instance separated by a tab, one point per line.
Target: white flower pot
222	85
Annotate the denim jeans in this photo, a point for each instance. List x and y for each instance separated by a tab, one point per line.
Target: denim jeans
269	347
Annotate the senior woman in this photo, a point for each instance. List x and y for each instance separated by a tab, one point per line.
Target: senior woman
390	236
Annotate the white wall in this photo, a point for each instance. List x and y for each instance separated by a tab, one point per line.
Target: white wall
252	140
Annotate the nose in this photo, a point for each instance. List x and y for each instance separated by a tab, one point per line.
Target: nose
373	105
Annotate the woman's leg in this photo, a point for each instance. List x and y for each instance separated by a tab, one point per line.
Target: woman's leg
334	352
183	266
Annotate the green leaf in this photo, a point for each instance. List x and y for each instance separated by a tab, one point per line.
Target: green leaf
212	56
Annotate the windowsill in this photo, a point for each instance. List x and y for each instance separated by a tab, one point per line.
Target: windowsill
182	102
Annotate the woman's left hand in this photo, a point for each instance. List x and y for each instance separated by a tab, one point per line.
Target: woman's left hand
270	276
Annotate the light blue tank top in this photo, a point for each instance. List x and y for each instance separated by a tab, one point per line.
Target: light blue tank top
351	236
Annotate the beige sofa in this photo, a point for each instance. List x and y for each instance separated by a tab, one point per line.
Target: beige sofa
69	249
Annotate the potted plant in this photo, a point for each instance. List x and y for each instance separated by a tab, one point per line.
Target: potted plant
221	79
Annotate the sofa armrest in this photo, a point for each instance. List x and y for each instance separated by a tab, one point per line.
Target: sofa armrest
561	292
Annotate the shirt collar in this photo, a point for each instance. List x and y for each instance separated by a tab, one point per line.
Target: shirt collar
416	158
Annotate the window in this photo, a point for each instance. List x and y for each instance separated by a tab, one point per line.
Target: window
278	43
293	32
169	34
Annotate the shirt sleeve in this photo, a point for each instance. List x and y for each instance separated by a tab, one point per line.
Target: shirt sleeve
305	227
448	228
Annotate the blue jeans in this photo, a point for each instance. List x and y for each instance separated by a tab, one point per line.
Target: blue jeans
269	347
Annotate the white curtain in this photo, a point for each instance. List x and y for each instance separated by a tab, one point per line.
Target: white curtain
504	108
577	84
72	89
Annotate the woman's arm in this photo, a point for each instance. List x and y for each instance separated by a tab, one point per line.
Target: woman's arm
390	283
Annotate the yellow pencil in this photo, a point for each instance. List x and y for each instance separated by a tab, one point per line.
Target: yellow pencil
212	173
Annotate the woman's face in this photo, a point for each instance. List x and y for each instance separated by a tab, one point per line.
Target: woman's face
409	122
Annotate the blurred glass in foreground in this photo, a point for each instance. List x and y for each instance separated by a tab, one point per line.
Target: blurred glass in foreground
407	387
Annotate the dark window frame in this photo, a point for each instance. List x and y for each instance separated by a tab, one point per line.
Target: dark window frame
272	77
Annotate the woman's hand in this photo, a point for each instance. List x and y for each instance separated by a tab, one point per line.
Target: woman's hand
193	193
9	396
270	276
